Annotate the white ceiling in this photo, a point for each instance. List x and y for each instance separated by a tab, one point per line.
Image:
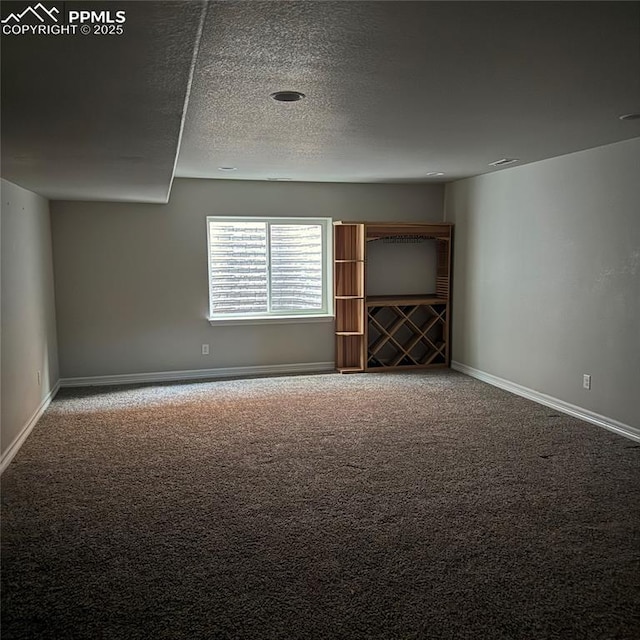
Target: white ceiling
394	90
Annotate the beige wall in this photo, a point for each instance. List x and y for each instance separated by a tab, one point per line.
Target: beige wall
131	279
547	277
28	321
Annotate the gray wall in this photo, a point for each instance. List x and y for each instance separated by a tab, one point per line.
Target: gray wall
131	279
28	320
547	277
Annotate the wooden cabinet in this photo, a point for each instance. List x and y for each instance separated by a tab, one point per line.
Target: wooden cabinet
395	330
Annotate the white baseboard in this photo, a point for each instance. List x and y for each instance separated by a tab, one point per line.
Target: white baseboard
200	374
14	447
549	401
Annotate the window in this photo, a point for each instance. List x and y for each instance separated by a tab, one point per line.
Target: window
269	268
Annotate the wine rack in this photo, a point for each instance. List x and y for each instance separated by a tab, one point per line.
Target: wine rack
407	332
382	333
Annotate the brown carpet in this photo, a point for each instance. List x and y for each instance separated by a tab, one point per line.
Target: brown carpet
413	505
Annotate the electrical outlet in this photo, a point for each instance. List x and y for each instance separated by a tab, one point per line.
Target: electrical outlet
205	349
586	381
39	376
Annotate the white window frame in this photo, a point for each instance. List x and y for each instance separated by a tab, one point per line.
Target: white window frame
325	314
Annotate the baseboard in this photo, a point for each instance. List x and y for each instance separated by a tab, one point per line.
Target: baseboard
549	401
200	374
14	447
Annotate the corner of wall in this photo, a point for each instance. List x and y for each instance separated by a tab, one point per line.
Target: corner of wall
29	352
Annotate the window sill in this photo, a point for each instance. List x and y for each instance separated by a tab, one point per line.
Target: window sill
221	322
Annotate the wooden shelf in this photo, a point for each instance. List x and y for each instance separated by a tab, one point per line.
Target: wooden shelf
349	316
348	241
428	298
349	279
349	269
389	332
350	352
376	230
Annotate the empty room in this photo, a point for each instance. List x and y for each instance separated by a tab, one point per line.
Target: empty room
320	320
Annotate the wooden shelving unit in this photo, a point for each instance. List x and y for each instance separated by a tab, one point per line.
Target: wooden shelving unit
349	257
389	332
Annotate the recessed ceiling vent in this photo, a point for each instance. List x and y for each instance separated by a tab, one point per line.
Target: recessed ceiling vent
287	96
503	162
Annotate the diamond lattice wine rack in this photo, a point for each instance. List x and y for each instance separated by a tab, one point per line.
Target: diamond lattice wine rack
406	333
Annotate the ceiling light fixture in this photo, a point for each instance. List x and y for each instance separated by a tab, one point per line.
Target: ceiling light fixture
287	96
227	168
279	179
434	174
630	116
503	161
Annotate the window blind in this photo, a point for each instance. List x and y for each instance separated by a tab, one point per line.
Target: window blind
296	267
262	267
238	267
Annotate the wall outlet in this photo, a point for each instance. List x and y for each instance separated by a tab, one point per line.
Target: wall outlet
205	349
586	381
39	376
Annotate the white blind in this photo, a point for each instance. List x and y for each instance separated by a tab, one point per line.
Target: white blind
296	267
238	267
265	268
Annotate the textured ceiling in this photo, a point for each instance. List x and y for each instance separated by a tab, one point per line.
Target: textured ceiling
394	90
399	89
99	117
